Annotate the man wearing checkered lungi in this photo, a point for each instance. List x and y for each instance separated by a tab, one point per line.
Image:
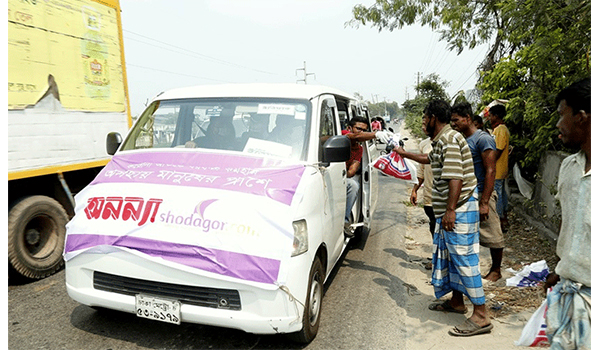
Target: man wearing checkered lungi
455	204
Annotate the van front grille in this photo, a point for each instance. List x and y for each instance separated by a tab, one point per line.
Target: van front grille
201	296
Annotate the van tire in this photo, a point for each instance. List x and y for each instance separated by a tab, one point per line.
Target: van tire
36	236
311	317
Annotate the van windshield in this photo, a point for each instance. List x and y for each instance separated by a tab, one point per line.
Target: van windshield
274	127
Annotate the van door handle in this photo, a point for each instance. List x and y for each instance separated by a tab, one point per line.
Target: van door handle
344	173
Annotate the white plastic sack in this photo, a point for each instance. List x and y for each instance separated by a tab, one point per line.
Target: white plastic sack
529	275
525	187
534	332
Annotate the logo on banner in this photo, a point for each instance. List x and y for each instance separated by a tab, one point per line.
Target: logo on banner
201	207
198	220
124	208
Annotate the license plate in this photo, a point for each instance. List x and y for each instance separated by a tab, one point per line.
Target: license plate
165	310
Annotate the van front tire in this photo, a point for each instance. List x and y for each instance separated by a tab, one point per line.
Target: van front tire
312	308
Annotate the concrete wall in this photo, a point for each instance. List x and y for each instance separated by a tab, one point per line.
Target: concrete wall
543	210
545	189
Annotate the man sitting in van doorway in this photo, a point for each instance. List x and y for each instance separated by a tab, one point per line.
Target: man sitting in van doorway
357	132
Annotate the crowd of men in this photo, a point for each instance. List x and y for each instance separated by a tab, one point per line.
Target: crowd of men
463	177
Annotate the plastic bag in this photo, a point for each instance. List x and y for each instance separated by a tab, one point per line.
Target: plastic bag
525	187
528	276
534	332
392	164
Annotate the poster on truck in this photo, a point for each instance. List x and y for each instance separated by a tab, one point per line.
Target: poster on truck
69	48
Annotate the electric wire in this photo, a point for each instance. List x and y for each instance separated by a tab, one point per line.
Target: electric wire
428	52
474	71
441	62
193	53
182	74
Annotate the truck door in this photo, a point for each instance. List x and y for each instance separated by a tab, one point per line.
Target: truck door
334	177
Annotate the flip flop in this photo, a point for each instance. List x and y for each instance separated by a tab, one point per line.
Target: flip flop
445	306
469	328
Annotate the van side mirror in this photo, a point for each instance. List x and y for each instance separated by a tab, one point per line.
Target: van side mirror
336	149
113	141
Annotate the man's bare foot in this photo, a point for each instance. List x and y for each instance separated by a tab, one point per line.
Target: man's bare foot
479	320
493	276
480	316
447	306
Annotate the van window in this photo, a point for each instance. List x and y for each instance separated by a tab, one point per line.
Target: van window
275	127
356	112
326	123
343	111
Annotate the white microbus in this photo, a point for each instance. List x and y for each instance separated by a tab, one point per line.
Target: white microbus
224	205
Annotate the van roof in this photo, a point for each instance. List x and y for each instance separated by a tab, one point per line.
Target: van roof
301	91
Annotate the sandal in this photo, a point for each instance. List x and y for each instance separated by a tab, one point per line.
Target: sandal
445	306
469	328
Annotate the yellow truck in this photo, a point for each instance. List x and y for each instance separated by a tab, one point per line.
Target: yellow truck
67	89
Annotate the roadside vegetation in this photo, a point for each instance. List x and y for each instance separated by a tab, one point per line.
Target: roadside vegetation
536	48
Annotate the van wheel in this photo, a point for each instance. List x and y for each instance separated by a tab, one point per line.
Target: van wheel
312	310
36	236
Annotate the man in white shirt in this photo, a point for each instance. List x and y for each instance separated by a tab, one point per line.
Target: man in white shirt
569	303
425	181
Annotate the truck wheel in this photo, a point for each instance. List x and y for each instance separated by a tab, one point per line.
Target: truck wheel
312	307
36	236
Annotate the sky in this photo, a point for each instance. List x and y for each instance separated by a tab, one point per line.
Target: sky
172	44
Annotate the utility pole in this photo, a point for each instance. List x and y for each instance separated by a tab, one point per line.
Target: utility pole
385	113
305	73
418	82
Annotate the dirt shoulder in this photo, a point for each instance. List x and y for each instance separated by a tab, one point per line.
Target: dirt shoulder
509	307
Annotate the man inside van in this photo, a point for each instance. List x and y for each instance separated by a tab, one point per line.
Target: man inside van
357	132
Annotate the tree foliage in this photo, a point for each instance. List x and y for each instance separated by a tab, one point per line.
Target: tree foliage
547	56
537	47
380	108
432	87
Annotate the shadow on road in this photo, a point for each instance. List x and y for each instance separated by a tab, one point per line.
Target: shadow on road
150	334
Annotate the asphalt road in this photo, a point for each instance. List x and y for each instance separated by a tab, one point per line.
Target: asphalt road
362	308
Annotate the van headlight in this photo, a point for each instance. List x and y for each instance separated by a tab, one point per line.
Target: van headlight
300	237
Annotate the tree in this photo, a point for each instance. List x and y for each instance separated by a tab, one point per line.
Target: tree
432	87
537	47
547	57
380	108
359	97
461	23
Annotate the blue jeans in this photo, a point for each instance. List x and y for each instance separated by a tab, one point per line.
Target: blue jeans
502	204
352	188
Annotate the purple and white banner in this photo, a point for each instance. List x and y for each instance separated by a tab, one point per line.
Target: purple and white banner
214	213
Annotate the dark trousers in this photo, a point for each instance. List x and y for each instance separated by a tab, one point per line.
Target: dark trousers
431	216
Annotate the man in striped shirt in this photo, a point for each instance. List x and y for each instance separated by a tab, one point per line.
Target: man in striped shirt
455	205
